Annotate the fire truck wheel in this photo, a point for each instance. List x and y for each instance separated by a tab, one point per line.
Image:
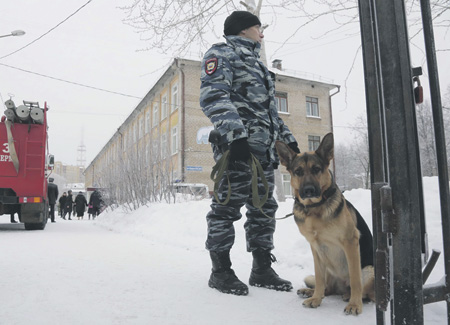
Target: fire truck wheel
40	225
35	226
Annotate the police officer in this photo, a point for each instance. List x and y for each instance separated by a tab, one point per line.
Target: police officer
237	95
52	194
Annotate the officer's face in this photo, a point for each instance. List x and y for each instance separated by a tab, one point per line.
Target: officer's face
254	33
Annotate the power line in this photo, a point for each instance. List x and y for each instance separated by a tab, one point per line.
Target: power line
70	82
50	30
59	79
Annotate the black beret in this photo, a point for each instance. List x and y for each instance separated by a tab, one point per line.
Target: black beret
238	21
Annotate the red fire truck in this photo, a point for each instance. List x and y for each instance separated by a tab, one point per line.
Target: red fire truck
25	163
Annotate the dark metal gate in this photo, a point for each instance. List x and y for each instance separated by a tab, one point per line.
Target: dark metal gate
397	198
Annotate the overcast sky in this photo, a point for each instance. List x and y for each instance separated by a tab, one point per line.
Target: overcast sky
94	48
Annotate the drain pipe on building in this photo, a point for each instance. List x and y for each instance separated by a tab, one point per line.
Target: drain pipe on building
183	119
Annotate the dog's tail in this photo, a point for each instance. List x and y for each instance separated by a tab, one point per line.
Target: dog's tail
310	281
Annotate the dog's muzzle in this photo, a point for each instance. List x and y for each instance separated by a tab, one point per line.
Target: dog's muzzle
309	192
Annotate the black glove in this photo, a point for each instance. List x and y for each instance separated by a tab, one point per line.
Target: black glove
239	150
294	147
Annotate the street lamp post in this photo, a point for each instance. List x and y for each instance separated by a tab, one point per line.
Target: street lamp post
14	33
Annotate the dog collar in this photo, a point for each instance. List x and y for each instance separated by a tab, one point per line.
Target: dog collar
325	196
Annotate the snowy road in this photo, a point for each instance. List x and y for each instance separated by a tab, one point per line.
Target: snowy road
74	272
150	267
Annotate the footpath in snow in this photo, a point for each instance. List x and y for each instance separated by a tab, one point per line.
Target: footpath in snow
150	267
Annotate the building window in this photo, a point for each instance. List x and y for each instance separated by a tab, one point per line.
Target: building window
312	106
174	98
287	184
163	145
163	107
174	140
147	121
155	115
313	142
281	102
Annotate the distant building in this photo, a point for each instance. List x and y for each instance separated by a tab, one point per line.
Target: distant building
70	173
169	123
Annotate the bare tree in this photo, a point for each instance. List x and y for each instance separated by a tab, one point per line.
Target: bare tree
346	167
138	175
360	150
426	139
174	26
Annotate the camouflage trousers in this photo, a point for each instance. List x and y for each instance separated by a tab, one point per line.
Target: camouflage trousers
259	228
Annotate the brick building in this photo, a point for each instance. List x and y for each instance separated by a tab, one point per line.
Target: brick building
169	122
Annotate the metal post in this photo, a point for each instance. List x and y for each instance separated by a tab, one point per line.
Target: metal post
377	152
407	303
388	76
440	140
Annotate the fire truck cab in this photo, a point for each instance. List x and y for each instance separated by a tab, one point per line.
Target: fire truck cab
25	164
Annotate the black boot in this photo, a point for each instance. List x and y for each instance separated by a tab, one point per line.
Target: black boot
223	277
263	275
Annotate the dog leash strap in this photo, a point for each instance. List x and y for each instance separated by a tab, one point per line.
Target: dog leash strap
216	175
256	169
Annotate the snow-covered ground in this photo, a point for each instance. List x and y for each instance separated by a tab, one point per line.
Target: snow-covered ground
150	267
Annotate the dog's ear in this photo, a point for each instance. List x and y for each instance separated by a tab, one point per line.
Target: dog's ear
326	148
286	154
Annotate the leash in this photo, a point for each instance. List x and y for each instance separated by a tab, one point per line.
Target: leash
221	167
216	175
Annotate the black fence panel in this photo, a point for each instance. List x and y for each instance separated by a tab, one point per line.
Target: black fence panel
397	194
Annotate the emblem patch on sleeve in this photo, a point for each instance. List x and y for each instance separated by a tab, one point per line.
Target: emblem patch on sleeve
211	66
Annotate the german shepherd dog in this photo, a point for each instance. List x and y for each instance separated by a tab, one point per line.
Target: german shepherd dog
340	240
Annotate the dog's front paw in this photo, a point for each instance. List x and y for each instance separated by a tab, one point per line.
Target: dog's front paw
353	309
312	302
305	292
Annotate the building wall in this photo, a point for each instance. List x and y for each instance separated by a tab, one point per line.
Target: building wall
198	153
143	129
296	119
71	174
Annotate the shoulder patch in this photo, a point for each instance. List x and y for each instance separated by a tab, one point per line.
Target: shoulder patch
211	66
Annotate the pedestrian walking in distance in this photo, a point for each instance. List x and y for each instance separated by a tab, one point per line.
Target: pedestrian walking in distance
62	201
80	205
68	205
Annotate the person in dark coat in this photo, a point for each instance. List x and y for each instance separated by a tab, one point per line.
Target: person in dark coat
68	205
80	205
96	202
52	193
62	201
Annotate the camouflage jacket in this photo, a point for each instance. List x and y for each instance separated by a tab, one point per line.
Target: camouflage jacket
237	95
